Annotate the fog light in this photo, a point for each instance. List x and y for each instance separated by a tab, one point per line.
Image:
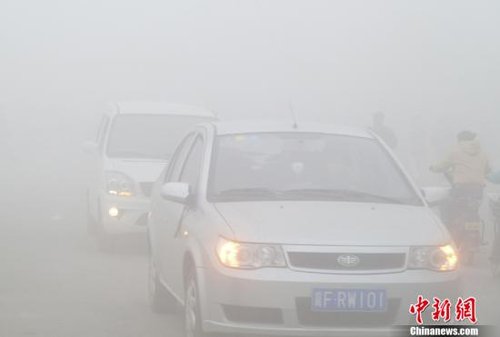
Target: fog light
113	212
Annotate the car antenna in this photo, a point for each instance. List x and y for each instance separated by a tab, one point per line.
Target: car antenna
295	124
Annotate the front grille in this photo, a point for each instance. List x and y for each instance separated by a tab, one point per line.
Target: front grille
239	314
308	317
146	188
330	261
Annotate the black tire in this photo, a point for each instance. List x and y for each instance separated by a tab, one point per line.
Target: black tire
192	316
160	300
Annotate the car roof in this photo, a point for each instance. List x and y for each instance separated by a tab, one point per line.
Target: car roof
158	108
238	127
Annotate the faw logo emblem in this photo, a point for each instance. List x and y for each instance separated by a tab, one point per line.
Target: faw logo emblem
348	260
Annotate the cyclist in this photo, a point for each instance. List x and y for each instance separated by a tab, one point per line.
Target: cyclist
467	168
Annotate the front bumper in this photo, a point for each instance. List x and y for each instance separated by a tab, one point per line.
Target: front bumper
277	301
132	214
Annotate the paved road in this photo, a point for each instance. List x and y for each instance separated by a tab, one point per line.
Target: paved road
54	282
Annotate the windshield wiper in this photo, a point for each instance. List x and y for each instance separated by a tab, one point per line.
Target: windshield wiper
342	194
248	192
375	197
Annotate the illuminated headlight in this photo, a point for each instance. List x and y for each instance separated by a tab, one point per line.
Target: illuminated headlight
119	184
113	212
442	258
249	255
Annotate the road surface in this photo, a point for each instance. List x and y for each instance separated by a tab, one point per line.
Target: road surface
55	283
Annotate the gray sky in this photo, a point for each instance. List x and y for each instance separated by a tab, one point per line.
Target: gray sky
331	59
433	66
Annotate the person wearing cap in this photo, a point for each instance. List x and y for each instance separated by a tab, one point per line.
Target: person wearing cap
467	168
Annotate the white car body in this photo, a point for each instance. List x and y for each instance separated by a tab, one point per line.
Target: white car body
140	170
185	233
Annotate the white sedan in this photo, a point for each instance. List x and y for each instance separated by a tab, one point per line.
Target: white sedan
304	230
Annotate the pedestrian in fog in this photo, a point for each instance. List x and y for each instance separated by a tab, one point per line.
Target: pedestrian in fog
383	131
466	167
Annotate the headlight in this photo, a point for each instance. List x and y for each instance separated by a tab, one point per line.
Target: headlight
119	184
249	255
442	258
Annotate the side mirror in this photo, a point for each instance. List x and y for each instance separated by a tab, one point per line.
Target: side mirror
176	192
89	147
435	195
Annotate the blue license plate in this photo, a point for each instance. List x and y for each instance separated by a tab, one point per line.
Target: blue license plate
349	300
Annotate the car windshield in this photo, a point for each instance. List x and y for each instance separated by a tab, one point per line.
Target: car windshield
306	166
148	136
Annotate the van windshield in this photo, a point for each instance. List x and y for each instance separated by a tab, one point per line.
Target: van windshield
148	136
306	166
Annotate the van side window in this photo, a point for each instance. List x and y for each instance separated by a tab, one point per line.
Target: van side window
175	166
101	134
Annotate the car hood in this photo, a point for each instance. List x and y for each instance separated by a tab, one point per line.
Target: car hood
139	170
332	223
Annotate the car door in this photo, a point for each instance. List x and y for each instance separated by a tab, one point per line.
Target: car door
181	214
165	212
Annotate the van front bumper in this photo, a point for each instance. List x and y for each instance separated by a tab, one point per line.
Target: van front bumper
131	214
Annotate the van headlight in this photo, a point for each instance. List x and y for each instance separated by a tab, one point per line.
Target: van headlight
443	258
119	184
249	255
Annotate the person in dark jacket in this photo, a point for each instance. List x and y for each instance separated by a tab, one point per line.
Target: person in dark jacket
383	131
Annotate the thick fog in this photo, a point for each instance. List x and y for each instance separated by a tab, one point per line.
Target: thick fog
431	67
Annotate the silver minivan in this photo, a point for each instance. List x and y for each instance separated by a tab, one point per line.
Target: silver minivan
134	142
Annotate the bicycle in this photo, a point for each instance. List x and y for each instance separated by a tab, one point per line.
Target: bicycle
494	202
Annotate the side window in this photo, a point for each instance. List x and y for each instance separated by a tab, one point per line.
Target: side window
191	171
101	134
175	166
99	129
